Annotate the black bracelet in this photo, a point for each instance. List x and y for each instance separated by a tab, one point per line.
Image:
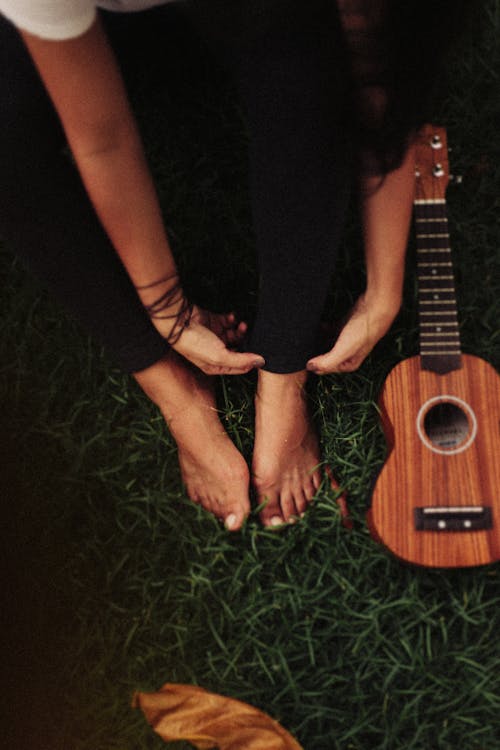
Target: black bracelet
174	295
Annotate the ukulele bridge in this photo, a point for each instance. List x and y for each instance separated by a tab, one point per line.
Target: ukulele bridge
453	518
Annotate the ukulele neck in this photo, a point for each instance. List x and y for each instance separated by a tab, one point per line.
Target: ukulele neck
437	307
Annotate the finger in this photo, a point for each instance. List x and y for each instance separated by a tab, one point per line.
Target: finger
232	363
237	327
336	360
240	331
325	363
231	320
229	330
240	360
234	336
229	337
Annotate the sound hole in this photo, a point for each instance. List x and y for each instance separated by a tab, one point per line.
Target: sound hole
446	425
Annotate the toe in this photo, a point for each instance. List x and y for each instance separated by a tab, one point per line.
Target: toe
315	481
301	502
310	487
271	514
233	521
234	513
288	507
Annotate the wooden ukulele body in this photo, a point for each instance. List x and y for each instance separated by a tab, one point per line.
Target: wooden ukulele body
436	500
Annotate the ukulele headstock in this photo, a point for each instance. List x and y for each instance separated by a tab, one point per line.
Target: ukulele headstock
431	163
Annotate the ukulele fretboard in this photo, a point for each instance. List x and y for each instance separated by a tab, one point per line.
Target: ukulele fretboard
439	332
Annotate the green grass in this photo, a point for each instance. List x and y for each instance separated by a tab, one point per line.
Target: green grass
115	582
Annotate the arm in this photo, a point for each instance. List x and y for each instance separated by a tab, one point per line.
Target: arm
86	87
87	90
386	215
386	220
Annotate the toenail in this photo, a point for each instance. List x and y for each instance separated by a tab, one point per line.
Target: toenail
276	521
230	521
292	520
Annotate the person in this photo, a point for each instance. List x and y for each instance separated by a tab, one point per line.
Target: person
326	99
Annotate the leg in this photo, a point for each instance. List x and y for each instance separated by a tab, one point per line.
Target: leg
45	216
287	458
215	474
288	58
291	75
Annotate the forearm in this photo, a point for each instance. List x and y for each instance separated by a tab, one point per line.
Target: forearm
85	84
386	215
120	187
386	209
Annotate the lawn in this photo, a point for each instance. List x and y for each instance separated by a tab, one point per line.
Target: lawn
114	581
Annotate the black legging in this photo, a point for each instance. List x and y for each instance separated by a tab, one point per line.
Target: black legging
288	63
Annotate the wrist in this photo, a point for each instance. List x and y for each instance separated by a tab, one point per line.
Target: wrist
168	308
383	302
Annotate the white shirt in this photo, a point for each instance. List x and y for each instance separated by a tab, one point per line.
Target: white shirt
64	19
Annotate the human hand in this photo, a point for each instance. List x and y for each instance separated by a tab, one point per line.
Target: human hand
207	342
368	321
225	325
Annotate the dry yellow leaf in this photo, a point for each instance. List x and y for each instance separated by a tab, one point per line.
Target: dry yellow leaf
208	720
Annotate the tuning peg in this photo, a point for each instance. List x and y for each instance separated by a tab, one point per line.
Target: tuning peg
456	179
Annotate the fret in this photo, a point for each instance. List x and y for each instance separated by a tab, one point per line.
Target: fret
450	334
436	302
438	324
432	220
427	238
440	343
425	264
433	249
435	278
436	288
440	334
433	236
438	312
438	353
438	292
429	202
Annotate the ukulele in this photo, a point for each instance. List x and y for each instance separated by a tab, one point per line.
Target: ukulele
436	500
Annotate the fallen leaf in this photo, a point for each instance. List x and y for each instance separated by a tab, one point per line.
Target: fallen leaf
208	720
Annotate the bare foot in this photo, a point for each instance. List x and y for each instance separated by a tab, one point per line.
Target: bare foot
286	455
214	472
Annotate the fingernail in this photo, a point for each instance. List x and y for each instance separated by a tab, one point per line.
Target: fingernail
260	362
230	521
276	521
312	367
